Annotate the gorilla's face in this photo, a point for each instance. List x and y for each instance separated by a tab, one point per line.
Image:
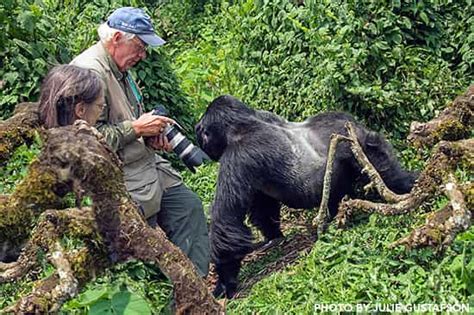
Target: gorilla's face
211	139
217	125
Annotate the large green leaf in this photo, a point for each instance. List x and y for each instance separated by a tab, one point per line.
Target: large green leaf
128	303
91	296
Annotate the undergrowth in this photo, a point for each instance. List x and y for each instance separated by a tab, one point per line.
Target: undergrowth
356	266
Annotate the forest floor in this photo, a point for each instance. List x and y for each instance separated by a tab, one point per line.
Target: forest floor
275	256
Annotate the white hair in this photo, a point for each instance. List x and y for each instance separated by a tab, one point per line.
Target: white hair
106	33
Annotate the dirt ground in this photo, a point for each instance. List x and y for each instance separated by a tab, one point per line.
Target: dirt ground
277	255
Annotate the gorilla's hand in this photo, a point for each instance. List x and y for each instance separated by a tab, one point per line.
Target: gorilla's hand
222	290
227	283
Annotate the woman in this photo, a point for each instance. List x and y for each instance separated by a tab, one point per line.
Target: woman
69	93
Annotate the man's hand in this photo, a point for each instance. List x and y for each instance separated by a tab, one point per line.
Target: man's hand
151	125
159	143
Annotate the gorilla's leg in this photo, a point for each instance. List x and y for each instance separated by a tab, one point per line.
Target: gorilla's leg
342	180
265	215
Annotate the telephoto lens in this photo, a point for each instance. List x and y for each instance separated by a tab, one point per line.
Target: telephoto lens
190	154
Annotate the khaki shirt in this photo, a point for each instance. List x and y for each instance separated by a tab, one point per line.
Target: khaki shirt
146	174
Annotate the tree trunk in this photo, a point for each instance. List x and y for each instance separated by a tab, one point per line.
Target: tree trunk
75	158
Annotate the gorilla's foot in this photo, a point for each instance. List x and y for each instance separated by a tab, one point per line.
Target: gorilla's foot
219	290
225	291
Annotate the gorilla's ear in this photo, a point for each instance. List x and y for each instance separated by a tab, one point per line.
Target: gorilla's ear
376	144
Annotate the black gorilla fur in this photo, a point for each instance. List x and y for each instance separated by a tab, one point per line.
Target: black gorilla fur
266	161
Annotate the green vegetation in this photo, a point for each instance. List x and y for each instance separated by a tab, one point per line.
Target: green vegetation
387	62
355	266
132	288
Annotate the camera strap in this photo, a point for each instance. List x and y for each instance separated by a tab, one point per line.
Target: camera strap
136	92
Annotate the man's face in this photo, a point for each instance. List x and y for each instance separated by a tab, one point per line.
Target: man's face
128	52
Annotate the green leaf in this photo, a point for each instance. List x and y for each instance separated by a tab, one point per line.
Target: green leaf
457	264
27	21
142	75
24	45
35	10
103	307
424	18
467	236
372	28
11	77
405	22
91	296
127	303
382	45
396	38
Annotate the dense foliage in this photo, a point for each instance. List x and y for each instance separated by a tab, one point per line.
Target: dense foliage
388	62
27	50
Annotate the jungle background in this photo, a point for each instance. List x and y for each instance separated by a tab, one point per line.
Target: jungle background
387	62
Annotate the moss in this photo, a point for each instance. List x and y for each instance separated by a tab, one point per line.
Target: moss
468	191
18	129
20	210
434	235
450	129
37	190
87	262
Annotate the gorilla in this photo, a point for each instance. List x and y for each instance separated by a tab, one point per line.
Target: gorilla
266	161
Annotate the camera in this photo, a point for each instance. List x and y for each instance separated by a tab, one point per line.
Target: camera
190	154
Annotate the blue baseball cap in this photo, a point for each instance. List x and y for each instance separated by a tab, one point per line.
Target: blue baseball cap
135	21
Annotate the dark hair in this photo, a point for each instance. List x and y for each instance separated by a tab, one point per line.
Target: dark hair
63	88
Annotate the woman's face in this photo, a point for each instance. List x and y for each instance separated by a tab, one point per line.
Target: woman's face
91	112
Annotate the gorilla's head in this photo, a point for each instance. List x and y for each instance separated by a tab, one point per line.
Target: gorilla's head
223	116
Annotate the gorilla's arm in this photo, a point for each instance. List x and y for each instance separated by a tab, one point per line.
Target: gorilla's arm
231	203
231	239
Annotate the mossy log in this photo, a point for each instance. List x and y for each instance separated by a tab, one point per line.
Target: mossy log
19	211
19	129
453	123
75	159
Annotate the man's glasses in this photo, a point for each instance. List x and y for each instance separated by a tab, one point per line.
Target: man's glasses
140	45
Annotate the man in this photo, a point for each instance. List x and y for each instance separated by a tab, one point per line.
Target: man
149	178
